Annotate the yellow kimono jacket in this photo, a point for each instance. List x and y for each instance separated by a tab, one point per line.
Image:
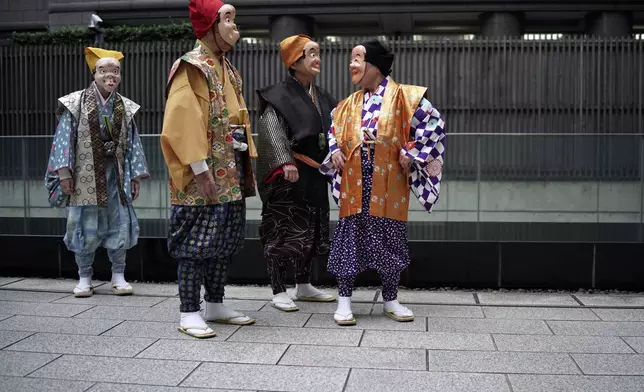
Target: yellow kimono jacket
203	99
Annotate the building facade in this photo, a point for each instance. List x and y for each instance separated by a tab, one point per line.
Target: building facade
279	18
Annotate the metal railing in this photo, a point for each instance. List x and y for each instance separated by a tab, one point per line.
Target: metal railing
580	85
489	156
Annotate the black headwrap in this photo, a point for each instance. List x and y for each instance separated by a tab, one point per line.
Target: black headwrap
379	56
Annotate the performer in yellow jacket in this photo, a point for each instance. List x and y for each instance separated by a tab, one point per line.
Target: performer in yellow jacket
207	146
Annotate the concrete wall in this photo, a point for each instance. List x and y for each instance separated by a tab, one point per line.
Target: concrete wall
529	234
17	13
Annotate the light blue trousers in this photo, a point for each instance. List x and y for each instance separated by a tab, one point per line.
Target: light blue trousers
115	228
85	262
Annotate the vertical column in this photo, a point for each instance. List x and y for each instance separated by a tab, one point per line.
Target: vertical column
286	25
501	24
609	24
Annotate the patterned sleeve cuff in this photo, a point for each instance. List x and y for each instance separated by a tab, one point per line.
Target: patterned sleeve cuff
64	173
405	151
270	177
199	167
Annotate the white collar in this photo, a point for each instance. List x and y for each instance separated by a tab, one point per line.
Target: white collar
98	93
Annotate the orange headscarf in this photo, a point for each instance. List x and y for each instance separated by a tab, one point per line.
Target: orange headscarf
292	48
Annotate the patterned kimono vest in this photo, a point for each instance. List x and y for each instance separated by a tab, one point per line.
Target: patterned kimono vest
89	155
390	189
221	156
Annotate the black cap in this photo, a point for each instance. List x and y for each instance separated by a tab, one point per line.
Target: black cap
379	56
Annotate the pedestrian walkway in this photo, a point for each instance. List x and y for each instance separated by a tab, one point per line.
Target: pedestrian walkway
460	342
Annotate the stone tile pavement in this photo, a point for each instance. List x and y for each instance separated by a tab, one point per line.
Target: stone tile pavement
460	342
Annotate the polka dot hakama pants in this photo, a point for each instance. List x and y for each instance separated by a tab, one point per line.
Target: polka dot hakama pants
362	242
203	240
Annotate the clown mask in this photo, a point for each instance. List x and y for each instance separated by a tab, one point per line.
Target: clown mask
309	64
226	28
107	75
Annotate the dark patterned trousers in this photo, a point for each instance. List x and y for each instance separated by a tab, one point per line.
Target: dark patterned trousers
277	271
291	233
192	273
203	240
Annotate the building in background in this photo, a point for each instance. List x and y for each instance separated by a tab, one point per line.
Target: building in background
280	18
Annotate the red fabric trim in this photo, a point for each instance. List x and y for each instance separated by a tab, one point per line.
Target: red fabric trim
276	172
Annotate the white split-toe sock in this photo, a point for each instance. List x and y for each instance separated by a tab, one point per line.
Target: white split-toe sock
219	313
396	311
282	301
119	285
307	292
84	287
343	313
194	325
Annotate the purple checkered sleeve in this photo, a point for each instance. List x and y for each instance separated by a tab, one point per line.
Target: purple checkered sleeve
427	129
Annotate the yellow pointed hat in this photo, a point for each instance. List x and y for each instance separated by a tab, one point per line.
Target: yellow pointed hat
92	55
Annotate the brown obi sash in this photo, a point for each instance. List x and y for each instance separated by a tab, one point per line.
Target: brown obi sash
306	160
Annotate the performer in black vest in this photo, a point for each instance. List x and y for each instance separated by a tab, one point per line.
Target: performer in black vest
292	144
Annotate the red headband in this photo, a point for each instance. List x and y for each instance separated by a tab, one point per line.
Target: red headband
203	13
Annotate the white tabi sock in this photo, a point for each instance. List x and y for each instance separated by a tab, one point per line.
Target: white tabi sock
344	307
193	324
307	290
282	300
216	311
396	308
118	280
84	283
193	320
84	287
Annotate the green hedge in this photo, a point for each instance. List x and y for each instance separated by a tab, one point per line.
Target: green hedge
85	36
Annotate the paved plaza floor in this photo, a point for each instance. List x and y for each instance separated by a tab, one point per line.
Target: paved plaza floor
460	341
